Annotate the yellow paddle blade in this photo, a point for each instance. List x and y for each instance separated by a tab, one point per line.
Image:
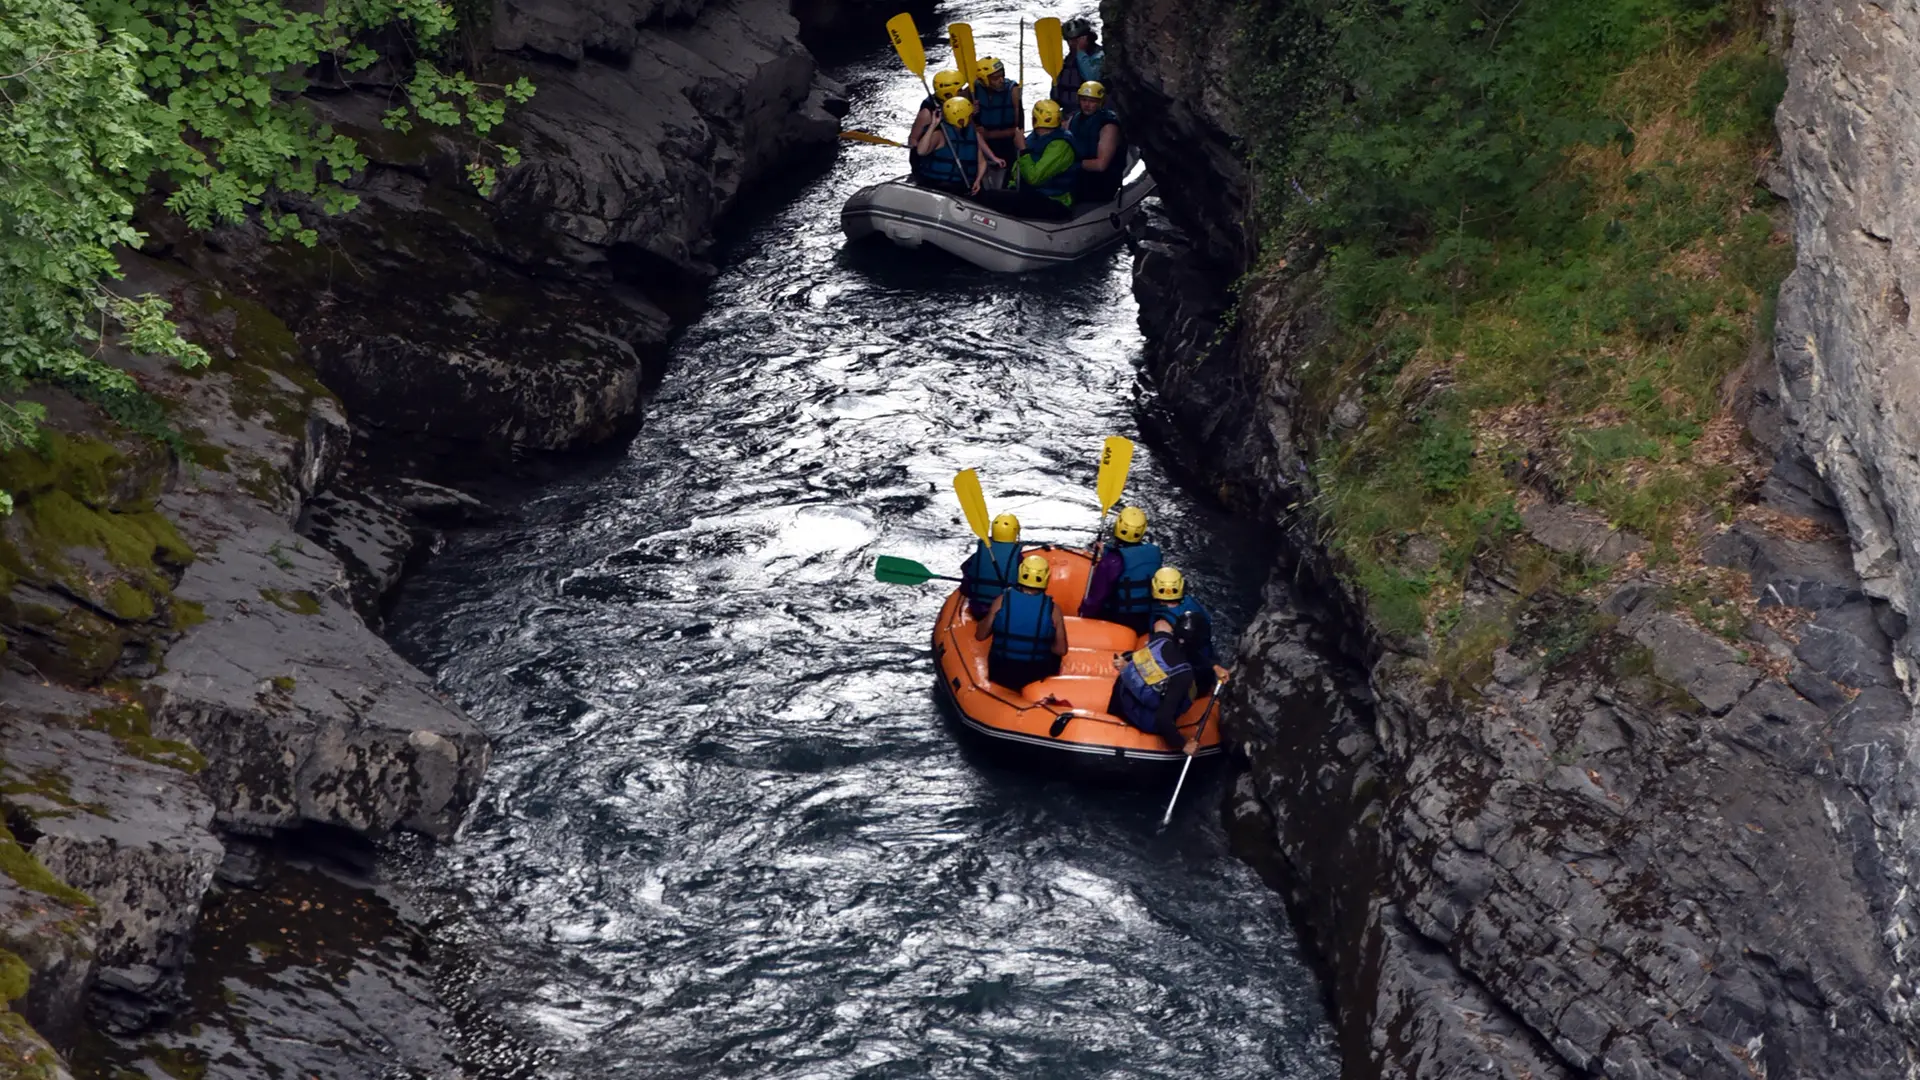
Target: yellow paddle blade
906	42
961	35
870	137
1115	459
966	484
1053	48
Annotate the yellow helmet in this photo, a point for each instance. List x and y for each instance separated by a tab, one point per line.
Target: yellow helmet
1006	529
990	66
1034	571
1094	90
1132	525
1046	114
1168	584
947	83
958	111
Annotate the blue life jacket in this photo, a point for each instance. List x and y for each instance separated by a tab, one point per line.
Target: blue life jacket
990	572
1202	648
1023	630
1084	129
994	108
1090	63
939	166
1143	681
1078	68
1133	590
1062	184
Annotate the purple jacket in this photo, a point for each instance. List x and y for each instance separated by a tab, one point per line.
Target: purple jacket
1106	574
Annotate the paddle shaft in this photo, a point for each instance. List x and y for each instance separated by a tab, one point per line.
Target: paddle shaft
870	137
1197	732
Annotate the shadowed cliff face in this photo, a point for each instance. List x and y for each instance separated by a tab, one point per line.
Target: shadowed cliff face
535	317
1624	847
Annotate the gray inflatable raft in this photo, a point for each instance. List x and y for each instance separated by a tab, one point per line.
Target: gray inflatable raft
911	215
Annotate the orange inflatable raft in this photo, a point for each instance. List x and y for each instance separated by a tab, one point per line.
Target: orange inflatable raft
1021	719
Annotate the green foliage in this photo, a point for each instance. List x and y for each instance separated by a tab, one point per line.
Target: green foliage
1544	255
1740	91
102	101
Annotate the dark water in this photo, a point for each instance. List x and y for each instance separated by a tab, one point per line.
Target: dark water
726	832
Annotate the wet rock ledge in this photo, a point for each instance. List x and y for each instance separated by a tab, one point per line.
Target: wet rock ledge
1630	847
189	677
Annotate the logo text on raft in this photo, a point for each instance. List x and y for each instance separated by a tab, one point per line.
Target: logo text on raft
982	219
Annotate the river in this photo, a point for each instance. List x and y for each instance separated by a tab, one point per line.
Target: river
726	832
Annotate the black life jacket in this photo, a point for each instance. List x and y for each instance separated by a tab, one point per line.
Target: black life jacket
1143	683
1085	129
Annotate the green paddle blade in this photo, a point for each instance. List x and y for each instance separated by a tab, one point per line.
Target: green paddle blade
897	571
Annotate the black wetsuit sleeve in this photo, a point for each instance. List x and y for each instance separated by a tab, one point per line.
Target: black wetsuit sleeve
1173	701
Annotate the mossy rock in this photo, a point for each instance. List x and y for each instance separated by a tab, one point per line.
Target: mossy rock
93	470
269	380
19	864
85	530
27	1054
14	976
130	726
298	601
74	645
129	603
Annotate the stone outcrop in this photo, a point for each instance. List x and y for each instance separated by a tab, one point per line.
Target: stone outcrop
1849	352
537	316
1626	846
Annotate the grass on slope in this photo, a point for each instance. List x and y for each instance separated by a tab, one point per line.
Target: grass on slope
1556	307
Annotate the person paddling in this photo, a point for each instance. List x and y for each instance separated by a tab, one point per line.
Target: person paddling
1096	135
997	109
1191	623
946	84
1154	686
1120	588
1044	175
1029	635
950	151
993	567
1083	62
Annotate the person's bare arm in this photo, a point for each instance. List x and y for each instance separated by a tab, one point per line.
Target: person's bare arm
1059	634
925	144
1109	149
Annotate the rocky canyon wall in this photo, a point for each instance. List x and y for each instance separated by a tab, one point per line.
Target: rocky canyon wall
186	629
1627	847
